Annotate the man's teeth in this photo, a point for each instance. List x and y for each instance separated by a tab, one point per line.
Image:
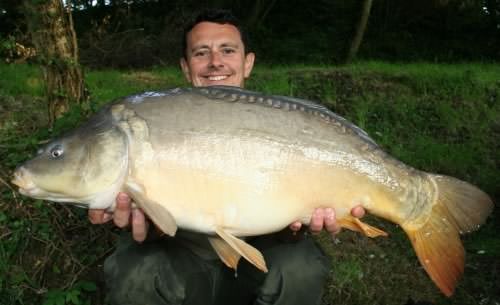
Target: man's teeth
216	78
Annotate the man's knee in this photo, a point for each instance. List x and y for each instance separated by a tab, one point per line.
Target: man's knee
297	274
138	275
303	260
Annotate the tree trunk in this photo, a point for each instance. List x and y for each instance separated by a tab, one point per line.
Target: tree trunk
51	28
360	30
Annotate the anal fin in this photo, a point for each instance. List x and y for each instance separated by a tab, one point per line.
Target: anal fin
355	224
247	251
158	213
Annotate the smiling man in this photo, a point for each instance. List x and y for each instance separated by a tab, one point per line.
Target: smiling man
185	269
215	55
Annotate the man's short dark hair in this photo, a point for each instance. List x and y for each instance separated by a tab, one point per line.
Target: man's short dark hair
219	16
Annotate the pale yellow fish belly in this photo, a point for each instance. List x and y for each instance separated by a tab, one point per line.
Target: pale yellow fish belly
255	202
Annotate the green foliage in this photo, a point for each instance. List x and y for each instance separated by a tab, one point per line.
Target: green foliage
107	85
348	272
21	80
72	296
272	81
7	46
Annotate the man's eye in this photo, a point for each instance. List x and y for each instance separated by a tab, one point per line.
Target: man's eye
228	51
200	53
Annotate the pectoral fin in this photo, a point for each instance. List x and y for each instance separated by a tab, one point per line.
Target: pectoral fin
354	224
226	253
158	213
242	248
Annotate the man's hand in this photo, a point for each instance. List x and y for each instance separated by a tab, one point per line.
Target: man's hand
325	219
123	216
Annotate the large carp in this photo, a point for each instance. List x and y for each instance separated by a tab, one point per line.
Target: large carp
233	163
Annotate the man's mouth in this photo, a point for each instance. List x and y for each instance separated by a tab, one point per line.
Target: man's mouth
217	77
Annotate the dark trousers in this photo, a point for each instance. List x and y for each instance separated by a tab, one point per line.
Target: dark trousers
167	272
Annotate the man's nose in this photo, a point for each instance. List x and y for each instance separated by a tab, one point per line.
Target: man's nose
216	60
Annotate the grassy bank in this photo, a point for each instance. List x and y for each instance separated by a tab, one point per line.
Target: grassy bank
438	118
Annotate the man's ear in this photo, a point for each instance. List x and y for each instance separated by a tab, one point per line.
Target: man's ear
185	69
249	60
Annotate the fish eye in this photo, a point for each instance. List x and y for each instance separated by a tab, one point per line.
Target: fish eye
56	152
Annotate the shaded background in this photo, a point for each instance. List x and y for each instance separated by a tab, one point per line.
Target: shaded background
125	34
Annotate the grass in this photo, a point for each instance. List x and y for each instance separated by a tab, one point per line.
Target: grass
439	118
108	85
18	80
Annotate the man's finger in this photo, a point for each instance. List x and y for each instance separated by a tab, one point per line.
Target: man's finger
107	217
316	224
99	216
139	225
96	216
122	211
358	211
330	222
295	227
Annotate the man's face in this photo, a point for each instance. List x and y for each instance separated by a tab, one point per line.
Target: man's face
216	56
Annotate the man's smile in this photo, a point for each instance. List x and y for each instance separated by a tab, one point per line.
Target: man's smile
216	77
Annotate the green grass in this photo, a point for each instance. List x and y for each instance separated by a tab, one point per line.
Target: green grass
438	118
108	85
20	80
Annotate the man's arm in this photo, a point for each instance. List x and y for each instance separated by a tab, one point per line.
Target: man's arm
124	215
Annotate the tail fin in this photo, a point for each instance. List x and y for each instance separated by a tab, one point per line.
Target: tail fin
459	208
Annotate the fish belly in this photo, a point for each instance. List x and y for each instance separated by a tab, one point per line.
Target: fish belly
249	186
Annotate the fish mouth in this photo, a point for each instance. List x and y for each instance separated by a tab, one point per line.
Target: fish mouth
26	186
21	180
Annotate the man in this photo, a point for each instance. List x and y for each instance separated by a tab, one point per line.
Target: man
184	269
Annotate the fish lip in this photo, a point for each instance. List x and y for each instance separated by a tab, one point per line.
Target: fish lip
32	191
26	187
18	179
